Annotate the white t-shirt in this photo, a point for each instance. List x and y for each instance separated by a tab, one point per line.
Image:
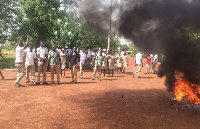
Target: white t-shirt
69	51
30	56
89	54
19	54
152	58
155	58
59	50
93	55
42	52
122	53
82	57
138	58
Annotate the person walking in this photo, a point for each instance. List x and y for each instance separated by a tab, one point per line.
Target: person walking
74	62
42	54
30	64
98	64
155	63
2	77
138	62
148	63
82	62
124	62
63	58
119	62
54	59
93	57
89	58
19	61
111	63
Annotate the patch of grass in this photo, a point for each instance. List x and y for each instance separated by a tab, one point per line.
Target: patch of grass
8	62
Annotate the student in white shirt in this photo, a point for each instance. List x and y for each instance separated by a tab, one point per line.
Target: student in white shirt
138	62
93	57
154	63
89	58
82	62
30	64
19	61
42	54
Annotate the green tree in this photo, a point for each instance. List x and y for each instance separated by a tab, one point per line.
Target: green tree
7	10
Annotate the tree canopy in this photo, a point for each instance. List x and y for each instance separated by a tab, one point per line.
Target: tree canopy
49	21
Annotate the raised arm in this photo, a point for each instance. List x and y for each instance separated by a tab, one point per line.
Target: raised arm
20	39
27	41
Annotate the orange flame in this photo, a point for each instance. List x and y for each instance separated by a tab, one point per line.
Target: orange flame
184	88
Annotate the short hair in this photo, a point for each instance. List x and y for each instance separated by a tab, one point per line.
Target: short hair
21	44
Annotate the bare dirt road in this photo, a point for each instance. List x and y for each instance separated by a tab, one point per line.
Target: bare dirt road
92	104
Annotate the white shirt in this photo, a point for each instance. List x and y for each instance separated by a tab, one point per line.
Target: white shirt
138	58
89	54
59	50
152	58
19	54
30	56
82	57
69	51
155	58
122	53
42	52
93	55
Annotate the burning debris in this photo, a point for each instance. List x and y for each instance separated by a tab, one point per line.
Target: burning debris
186	90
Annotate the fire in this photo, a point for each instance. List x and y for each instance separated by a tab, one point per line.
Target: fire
184	88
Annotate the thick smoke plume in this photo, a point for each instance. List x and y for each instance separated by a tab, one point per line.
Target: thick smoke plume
164	24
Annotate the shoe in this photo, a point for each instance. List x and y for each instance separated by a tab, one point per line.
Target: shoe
32	81
2	78
139	77
81	77
27	81
52	83
37	83
71	81
45	83
17	85
58	82
93	78
99	79
133	76
154	72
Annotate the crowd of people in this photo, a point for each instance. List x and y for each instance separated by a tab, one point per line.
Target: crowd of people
57	59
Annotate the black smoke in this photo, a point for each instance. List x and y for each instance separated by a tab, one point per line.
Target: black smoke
156	25
168	24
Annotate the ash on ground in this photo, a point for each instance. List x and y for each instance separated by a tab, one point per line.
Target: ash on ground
185	104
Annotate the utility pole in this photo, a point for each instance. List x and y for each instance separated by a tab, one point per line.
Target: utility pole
109	33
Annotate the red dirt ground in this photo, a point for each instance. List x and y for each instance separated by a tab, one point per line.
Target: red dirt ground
92	104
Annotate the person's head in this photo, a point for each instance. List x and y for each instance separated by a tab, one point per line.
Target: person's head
74	49
83	50
63	49
100	52
21	44
41	44
58	46
111	52
124	52
53	47
31	48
